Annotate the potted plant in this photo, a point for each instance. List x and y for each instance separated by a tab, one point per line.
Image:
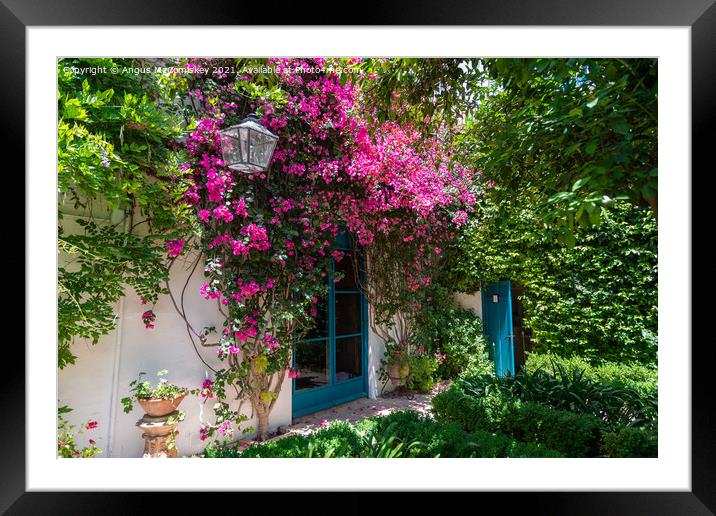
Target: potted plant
156	400
396	363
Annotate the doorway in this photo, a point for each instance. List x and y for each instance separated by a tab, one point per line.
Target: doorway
332	359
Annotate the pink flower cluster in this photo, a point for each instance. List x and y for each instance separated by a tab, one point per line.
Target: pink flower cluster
270	342
275	230
206	390
148	318
175	247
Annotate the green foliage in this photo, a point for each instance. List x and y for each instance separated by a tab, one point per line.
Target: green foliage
339	439
425	92
100	263
384	443
440	439
144	390
640	378
573	133
571	389
115	163
446	328
422	369
632	442
398	435
67	438
574	435
597	299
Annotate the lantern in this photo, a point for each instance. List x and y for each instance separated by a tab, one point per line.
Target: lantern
248	146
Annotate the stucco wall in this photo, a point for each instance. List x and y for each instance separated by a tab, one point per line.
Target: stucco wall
94	385
376	348
470	301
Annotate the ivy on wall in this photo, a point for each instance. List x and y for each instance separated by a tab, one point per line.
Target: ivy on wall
597	299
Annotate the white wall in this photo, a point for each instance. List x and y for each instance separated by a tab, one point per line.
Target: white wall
94	386
470	301
376	348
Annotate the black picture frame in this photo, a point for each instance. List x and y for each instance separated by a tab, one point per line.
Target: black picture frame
700	15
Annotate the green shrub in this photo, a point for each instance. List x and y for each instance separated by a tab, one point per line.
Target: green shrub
422	369
339	439
631	442
642	380
575	435
456	332
440	439
613	403
401	434
220	450
629	373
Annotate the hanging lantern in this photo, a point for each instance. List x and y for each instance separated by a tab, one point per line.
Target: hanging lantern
248	146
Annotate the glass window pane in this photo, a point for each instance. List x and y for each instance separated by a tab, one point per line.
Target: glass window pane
345	266
347	314
348	358
320	328
244	143
312	364
261	148
230	147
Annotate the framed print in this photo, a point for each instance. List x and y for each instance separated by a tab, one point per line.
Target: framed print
434	235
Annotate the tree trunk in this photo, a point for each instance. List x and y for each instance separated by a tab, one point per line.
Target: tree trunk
263	416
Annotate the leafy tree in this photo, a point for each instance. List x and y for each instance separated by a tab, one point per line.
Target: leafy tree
576	133
572	135
116	192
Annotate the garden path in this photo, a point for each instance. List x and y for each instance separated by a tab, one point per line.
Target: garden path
362	408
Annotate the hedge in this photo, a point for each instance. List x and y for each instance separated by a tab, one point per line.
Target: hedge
450	440
631	442
574	435
341	440
642	379
340	437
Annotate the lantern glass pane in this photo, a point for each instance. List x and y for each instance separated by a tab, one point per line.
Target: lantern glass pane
261	149
248	147
244	144
229	147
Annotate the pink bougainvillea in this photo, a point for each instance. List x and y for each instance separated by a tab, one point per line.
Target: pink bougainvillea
273	232
175	247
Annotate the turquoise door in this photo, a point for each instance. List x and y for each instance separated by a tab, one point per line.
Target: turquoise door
332	360
497	315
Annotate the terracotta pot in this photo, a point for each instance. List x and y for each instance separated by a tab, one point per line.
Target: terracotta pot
161	407
398	374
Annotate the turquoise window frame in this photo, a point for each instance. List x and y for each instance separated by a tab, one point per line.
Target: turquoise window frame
307	401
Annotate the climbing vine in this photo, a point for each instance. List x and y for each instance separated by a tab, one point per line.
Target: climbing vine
268	237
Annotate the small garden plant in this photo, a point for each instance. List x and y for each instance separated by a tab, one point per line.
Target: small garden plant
67	437
144	390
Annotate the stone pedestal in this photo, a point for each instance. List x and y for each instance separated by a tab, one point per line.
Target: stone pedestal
159	435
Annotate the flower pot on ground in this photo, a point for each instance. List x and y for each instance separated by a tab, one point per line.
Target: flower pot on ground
396	363
398	374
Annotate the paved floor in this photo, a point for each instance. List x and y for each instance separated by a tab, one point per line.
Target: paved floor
362	408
